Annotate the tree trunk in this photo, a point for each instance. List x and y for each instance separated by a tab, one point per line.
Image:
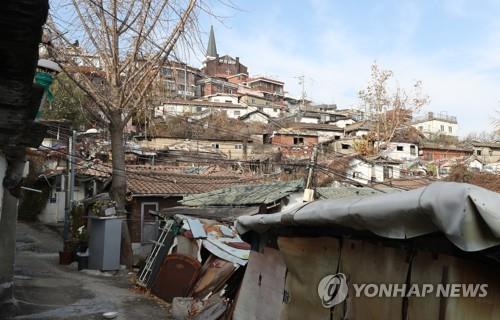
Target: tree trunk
119	185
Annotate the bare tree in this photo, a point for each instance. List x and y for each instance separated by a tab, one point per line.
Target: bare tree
114	50
389	110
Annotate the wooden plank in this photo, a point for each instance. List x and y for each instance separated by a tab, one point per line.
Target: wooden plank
262	288
308	260
365	262
442	269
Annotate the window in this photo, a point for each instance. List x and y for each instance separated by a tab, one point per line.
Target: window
413	150
275	109
345	146
337	137
442	128
421	128
238	146
298	140
450	129
356	174
399	148
388	172
237	112
478	152
215	146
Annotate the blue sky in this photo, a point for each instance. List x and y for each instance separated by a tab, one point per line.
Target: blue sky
452	46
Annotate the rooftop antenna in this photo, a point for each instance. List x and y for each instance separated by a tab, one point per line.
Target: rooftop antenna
302	82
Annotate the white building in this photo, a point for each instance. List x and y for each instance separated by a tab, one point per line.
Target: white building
432	125
223	97
183	107
402	151
366	170
256	116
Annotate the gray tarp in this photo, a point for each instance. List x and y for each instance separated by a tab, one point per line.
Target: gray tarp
468	215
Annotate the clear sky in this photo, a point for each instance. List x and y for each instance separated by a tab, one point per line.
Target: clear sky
453	46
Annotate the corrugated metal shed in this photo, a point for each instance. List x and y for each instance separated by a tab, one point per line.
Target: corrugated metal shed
244	195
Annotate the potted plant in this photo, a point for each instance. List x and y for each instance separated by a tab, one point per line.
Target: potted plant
83	239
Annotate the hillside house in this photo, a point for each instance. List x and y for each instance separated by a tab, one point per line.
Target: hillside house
232	148
432	125
373	169
434	151
256	116
488	152
294	144
325	132
359	129
183	107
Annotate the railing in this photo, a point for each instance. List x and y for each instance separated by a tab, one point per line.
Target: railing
431	116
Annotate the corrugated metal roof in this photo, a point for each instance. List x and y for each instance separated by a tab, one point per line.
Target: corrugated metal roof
244	195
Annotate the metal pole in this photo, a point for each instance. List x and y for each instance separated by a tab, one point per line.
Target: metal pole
70	184
309	191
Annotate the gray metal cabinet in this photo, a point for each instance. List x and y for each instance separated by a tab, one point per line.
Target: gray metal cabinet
105	243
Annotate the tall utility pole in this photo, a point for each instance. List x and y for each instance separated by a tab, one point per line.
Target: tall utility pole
309	191
70	186
302	82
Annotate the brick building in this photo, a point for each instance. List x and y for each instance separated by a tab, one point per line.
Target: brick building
294	144
215	66
272	90
434	151
178	80
160	187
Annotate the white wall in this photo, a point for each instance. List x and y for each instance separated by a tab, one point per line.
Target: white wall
362	171
272	112
309	120
257	117
224	98
235	113
343	123
360	133
166	110
436	127
405	154
359	171
55	212
328	135
476	165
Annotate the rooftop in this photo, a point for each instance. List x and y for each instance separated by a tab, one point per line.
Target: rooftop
432	116
244	195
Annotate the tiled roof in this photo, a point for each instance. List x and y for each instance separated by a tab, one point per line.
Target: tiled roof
361	125
164	180
168	183
316	126
244	195
487	144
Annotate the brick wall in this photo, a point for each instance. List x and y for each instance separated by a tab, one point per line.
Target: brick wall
215	67
289	149
438	154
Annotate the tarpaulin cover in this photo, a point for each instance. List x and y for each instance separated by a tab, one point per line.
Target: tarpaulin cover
468	215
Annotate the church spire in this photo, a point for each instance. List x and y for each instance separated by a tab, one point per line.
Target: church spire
211	48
